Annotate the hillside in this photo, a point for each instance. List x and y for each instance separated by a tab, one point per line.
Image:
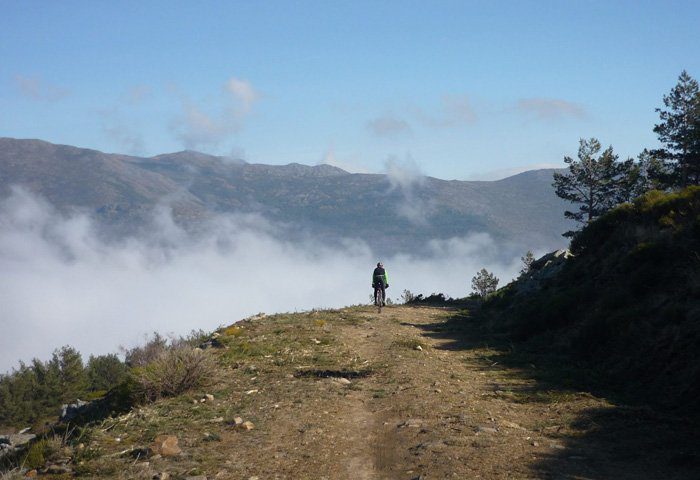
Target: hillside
120	191
627	304
413	392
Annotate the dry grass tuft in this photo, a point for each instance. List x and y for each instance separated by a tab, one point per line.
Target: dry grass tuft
174	371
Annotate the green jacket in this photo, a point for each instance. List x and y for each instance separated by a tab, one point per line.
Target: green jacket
380	275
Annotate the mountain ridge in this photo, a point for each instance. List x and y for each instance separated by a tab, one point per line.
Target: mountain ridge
120	191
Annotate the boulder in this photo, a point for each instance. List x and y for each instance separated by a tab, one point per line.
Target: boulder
12	443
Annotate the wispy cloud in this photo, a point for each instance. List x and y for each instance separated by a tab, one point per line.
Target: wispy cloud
38	89
550	109
123	133
388	126
406	177
200	125
137	94
128	139
453	111
243	92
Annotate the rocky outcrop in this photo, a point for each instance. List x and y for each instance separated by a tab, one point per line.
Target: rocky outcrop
14	443
72	410
541	270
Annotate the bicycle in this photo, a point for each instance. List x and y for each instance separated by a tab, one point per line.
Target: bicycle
379	298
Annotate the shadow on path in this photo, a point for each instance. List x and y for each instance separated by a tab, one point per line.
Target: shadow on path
605	437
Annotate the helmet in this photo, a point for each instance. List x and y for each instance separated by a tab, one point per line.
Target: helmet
380	264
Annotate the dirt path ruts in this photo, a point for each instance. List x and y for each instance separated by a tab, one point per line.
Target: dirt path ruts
436	408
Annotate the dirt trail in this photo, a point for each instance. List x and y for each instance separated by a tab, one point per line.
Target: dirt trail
436	408
405	394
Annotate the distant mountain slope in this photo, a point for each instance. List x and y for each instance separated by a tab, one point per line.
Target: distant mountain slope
121	190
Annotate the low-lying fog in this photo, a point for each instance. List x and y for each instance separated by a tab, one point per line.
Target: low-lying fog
62	285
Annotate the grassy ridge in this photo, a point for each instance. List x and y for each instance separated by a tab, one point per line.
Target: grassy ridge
627	304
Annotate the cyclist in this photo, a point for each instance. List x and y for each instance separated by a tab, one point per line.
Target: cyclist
380	281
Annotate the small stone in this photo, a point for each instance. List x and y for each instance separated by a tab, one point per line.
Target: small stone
419	348
31	474
165	445
250	392
248	425
217	420
209	397
535	444
343	381
197	477
489	430
237	421
161	476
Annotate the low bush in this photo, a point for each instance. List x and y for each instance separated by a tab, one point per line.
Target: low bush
174	371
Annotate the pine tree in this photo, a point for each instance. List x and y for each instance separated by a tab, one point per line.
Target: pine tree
73	378
105	371
679	131
593	181
484	283
527	262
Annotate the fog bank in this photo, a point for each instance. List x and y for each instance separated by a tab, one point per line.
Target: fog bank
61	284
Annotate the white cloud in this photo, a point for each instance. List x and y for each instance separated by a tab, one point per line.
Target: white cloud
406	177
200	125
242	91
550	109
62	284
38	89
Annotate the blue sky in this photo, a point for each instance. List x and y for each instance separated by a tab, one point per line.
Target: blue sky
455	89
